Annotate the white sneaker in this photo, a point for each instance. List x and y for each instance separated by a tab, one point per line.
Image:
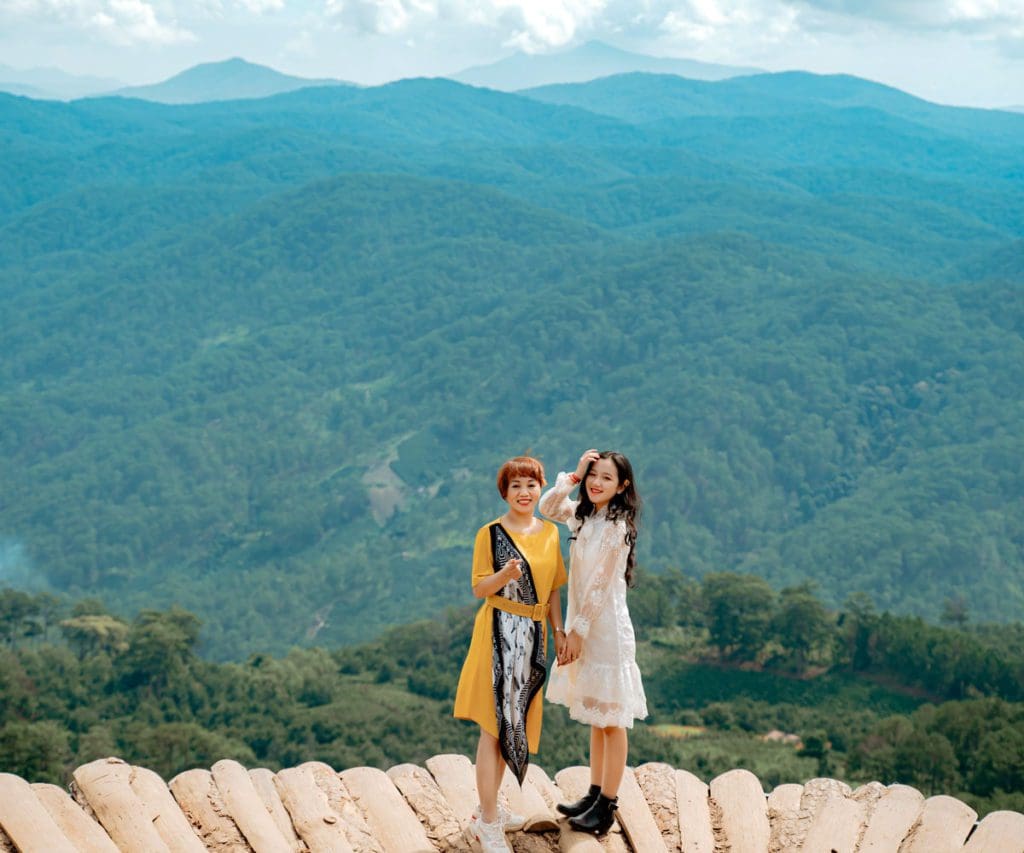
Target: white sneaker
490	835
509	820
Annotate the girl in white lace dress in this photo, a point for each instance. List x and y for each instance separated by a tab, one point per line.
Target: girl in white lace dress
596	675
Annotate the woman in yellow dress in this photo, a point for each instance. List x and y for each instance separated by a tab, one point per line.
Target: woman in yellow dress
517	571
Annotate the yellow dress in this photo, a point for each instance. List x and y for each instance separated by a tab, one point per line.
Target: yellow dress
475	697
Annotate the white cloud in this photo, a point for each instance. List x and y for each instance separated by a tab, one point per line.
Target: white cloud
122	22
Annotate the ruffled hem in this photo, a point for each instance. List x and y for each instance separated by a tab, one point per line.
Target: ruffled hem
599	694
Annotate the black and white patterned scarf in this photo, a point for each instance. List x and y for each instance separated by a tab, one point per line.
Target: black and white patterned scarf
519	668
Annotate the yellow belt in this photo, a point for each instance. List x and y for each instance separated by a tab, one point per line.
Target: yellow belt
536	612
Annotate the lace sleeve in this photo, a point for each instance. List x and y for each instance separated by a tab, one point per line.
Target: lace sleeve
611	562
555	503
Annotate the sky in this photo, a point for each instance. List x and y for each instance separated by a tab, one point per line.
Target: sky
968	52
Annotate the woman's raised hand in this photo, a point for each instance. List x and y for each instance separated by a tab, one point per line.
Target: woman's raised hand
585	460
514	569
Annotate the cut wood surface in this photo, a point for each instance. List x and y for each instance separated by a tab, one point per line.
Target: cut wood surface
658	783
998	832
889	823
635	818
106	786
316	823
390	819
246	807
25	820
695	826
164	812
742	811
942	827
117	808
439	820
198	797
263	782
79	828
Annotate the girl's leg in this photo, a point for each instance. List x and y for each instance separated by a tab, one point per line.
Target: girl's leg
597	752
489	770
615	750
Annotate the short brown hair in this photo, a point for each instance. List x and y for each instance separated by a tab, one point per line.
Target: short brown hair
519	466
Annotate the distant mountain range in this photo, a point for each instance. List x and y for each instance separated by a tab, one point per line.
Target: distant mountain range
230	80
238	79
586	62
260	358
52	83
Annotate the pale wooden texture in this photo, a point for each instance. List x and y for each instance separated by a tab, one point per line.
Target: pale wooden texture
245	806
163	812
106	786
391	821
456	778
263	783
658	782
942	827
544	786
695	826
200	801
316	823
439	820
528	801
343	804
743	816
785	818
79	828
998	832
26	822
635	818
836	826
894	814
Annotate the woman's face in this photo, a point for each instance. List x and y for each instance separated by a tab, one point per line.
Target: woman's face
603	482
522	495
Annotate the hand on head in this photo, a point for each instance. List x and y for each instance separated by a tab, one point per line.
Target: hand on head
585	462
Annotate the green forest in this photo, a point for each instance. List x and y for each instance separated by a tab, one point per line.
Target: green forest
260	360
863	694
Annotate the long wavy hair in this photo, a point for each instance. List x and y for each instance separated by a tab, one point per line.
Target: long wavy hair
625	505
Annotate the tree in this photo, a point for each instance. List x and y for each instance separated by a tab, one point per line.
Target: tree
738	611
802	625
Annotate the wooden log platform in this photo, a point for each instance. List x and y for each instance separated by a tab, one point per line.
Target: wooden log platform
113	806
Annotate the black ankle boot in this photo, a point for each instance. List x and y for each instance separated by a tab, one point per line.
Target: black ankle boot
599	818
581	805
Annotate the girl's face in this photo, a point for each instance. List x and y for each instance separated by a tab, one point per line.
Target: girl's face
603	482
522	495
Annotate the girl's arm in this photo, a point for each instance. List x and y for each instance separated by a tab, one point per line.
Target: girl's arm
555	503
611	562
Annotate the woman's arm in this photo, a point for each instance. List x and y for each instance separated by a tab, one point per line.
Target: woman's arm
511	571
611	561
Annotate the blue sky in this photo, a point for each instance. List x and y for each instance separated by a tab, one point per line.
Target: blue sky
951	51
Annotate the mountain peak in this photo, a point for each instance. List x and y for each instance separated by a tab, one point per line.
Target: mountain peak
588	61
229	79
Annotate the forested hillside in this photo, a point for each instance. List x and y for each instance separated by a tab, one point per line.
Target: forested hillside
262	358
735	674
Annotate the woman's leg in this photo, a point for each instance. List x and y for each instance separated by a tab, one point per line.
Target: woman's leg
615	749
489	770
597	752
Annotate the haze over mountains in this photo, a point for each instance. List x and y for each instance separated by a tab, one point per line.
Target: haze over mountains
236	78
262	357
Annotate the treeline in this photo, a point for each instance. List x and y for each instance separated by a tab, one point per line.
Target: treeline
745	621
77	683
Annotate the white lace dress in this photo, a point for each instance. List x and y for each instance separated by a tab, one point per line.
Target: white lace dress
603	686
